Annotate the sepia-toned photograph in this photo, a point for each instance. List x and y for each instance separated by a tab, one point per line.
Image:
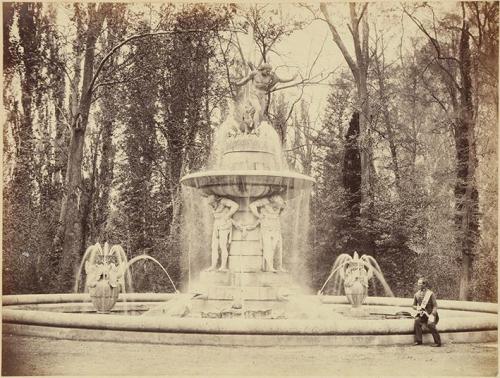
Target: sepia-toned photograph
250	189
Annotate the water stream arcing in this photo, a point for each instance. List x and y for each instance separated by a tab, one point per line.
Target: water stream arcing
147	257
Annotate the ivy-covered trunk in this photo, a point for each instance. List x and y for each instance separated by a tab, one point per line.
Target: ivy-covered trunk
466	194
352	169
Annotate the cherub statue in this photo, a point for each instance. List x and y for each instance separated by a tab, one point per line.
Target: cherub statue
263	80
246	117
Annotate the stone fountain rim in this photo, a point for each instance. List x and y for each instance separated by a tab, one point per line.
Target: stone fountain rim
252	332
25	299
248	172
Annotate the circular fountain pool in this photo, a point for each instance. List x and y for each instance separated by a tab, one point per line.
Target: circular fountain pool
71	316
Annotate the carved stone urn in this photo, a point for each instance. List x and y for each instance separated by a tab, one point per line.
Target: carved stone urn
104	296
356	283
103	284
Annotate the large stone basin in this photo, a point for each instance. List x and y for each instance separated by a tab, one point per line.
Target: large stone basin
71	316
248	183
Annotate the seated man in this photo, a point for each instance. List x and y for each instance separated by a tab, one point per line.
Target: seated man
424	301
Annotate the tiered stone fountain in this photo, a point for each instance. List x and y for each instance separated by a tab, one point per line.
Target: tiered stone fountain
246	187
249	173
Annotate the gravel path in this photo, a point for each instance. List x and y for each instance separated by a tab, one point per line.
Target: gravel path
37	356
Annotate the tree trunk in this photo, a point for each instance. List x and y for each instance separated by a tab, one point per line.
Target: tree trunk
105	180
359	69
365	144
466	194
352	169
70	232
61	139
71	211
90	193
390	136
23	172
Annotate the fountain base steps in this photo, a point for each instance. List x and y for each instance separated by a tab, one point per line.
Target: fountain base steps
199	306
257	293
196	307
231	285
232	278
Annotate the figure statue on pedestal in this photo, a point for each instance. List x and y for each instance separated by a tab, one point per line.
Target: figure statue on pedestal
268	210
263	80
246	117
224	208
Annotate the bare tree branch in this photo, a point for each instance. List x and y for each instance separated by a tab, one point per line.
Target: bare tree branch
336	38
365	6
354	29
293	104
304	82
226	66
130	39
437	48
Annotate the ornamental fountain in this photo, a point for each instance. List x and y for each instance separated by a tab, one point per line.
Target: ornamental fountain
353	275
246	189
105	275
245	296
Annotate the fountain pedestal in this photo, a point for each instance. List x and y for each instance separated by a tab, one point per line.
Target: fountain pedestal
229	285
245	250
245	278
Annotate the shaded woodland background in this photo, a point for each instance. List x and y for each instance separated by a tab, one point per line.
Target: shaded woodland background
107	106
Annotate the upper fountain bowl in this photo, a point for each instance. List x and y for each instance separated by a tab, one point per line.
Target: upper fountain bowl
248	183
248	165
